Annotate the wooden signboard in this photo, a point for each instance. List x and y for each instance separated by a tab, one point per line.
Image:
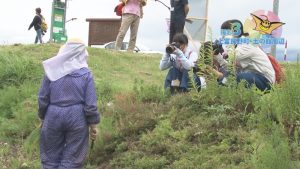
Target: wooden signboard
103	30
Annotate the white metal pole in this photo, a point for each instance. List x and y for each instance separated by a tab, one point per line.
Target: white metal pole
275	11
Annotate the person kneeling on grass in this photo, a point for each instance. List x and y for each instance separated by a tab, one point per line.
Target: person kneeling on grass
67	107
213	53
180	59
252	64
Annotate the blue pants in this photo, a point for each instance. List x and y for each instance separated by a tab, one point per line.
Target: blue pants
183	77
260	81
38	36
64	138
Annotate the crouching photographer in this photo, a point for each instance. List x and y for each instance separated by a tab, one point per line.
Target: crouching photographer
179	59
214	59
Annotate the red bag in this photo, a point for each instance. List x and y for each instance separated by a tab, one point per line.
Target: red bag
118	9
279	75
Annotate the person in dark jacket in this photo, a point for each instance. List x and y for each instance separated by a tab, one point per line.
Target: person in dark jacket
179	11
67	108
36	23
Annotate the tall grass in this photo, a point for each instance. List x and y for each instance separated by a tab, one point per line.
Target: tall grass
21	74
228	127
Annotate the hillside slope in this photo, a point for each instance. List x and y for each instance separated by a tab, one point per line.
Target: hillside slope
142	127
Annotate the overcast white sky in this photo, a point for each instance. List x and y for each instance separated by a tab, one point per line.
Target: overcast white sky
16	15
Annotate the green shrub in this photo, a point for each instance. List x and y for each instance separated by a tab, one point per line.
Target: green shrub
280	105
149	93
15	69
125	160
274	151
132	117
8	101
150	162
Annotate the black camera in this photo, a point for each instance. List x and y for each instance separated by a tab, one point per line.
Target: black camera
171	47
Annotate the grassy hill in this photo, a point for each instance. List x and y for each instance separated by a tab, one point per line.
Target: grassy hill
142	127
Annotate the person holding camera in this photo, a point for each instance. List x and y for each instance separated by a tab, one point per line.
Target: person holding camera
179	59
179	10
214	54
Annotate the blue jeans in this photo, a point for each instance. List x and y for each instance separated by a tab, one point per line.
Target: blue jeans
260	81
183	77
38	36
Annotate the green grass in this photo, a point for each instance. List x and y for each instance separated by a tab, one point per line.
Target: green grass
142	127
120	69
20	78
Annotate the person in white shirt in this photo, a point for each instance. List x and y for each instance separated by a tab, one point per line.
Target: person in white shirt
252	64
179	59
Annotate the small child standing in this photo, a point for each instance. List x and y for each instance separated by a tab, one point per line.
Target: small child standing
67	107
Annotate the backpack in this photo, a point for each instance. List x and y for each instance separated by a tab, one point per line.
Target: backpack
119	8
279	74
44	25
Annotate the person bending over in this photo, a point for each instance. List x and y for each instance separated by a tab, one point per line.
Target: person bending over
252	64
214	60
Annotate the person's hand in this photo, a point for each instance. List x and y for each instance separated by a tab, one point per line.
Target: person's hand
93	131
178	52
143	2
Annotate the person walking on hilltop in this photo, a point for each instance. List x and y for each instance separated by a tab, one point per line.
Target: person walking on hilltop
36	23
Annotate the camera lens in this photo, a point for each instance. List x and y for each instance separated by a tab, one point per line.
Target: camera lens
169	49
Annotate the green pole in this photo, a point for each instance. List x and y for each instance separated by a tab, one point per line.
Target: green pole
275	11
65	17
58	20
